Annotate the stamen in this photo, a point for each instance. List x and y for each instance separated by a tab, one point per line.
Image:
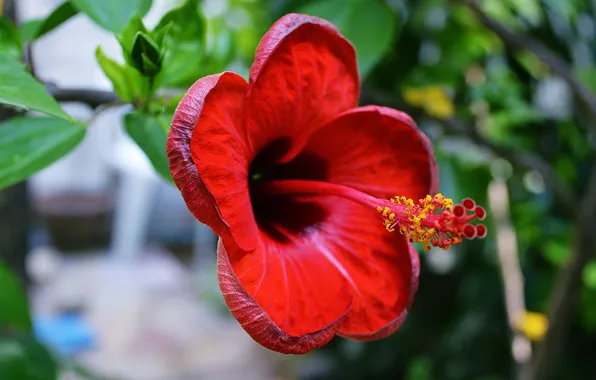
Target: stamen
433	220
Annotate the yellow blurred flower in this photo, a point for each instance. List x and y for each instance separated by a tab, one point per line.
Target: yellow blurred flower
533	325
433	99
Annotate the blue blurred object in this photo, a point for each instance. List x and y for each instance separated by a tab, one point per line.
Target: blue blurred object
67	334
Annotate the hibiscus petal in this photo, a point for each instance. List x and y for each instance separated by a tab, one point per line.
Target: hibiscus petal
379	151
208	157
382	268
280	308
304	74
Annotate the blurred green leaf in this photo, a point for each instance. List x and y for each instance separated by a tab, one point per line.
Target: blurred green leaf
14	305
35	29
116	73
588	76
369	25
589	275
419	369
18	88
22	358
29	144
112	15
184	53
29	29
10	39
587	309
148	133
188	22
127	37
556	252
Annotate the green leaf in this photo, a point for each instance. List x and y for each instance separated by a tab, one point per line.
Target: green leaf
23	358
30	28
369	25
556	252
18	88
147	131
37	28
590	275
116	73
112	15
187	22
183	61
29	144
14	305
10	39
127	37
159	34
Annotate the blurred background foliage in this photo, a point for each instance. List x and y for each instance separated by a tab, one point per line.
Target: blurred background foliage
499	110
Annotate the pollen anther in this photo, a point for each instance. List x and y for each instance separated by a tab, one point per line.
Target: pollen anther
433	220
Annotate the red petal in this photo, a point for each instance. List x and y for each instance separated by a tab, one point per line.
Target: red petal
382	268
379	151
304	74
208	157
359	316
261	325
184	171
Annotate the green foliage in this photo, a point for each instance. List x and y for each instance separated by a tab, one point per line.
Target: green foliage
112	15
369	25
118	75
10	39
22	358
186	44
35	29
145	55
144	50
150	133
20	89
29	144
14	305
457	328
590	275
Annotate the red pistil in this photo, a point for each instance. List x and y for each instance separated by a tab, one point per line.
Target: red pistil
433	220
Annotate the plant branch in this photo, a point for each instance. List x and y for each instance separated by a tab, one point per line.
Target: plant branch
565	295
511	273
93	98
552	60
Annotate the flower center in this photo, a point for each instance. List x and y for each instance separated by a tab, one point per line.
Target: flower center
283	216
433	220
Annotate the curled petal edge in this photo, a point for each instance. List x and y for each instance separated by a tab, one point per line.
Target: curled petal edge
257	323
284	27
182	167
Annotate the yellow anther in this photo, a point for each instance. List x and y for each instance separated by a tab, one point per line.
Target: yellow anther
420	220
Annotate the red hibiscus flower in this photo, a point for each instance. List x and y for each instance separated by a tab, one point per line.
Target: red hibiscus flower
298	183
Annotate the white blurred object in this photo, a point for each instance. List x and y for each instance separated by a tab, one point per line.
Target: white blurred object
553	98
43	264
440	261
133	200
